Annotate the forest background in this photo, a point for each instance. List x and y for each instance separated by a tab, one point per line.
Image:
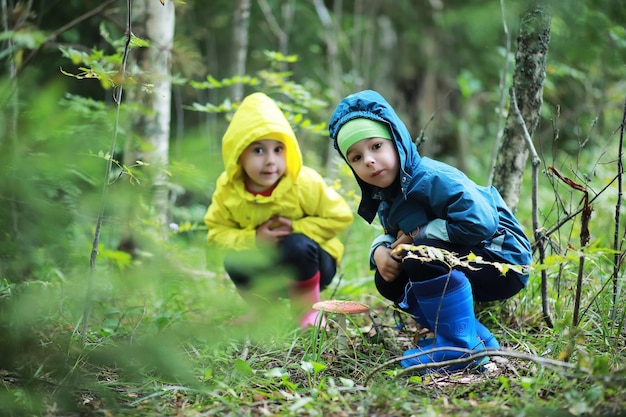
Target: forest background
111	304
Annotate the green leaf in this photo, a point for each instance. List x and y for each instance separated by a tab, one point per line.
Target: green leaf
416	379
243	368
312	367
213	81
276	373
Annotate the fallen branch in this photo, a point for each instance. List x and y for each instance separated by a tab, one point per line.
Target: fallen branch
473	355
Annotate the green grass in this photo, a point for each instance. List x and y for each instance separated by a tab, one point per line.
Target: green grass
162	342
162	339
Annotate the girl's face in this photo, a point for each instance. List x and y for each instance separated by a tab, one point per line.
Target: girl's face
375	161
263	161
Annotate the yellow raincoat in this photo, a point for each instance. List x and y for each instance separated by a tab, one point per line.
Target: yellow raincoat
302	195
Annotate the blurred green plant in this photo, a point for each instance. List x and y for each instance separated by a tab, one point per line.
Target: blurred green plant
293	98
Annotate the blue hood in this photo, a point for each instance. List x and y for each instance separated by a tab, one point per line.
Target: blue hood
371	105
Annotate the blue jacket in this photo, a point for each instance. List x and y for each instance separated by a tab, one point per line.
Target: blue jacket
438	198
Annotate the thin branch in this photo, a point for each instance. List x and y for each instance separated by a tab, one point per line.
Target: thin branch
538	234
584	237
527	138
573	214
471	355
421	138
105	185
271	20
62	29
276	28
617	245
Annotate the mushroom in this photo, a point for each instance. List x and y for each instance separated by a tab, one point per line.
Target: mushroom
342	308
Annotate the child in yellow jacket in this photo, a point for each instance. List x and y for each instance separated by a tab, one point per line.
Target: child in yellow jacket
272	216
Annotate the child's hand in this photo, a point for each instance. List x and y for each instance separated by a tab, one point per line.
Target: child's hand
402	238
274	229
388	265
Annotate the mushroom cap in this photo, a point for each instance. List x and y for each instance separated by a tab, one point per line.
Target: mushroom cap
341	306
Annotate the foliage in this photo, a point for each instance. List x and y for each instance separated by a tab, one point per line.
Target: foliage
295	103
162	340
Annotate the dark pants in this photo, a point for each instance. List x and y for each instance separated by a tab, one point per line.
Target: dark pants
295	258
488	283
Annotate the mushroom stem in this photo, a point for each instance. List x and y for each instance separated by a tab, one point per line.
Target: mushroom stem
342	335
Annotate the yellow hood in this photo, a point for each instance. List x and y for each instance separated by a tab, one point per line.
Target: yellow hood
259	117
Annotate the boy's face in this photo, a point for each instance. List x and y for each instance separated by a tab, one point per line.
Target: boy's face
263	161
375	161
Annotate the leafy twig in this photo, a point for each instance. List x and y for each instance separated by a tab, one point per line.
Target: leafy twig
427	253
97	10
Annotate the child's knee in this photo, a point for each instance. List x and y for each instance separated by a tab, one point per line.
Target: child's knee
298	247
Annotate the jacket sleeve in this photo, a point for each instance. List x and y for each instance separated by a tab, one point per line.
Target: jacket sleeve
327	214
465	215
224	232
380	240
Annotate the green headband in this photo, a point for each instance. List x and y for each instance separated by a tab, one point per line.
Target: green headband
358	129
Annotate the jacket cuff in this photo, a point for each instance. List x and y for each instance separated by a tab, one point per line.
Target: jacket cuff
436	229
383	239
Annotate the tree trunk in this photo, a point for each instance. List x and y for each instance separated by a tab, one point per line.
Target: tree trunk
528	79
282	29
333	69
240	45
155	22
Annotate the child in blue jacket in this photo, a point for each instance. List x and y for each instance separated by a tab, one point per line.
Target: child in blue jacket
421	201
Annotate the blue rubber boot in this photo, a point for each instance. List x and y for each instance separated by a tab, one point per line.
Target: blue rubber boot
486	336
448	307
409	304
483	333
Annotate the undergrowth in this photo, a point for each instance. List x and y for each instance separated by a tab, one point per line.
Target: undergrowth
162	337
163	342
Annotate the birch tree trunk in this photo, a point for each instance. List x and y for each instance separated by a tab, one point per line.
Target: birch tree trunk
240	45
155	22
528	80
